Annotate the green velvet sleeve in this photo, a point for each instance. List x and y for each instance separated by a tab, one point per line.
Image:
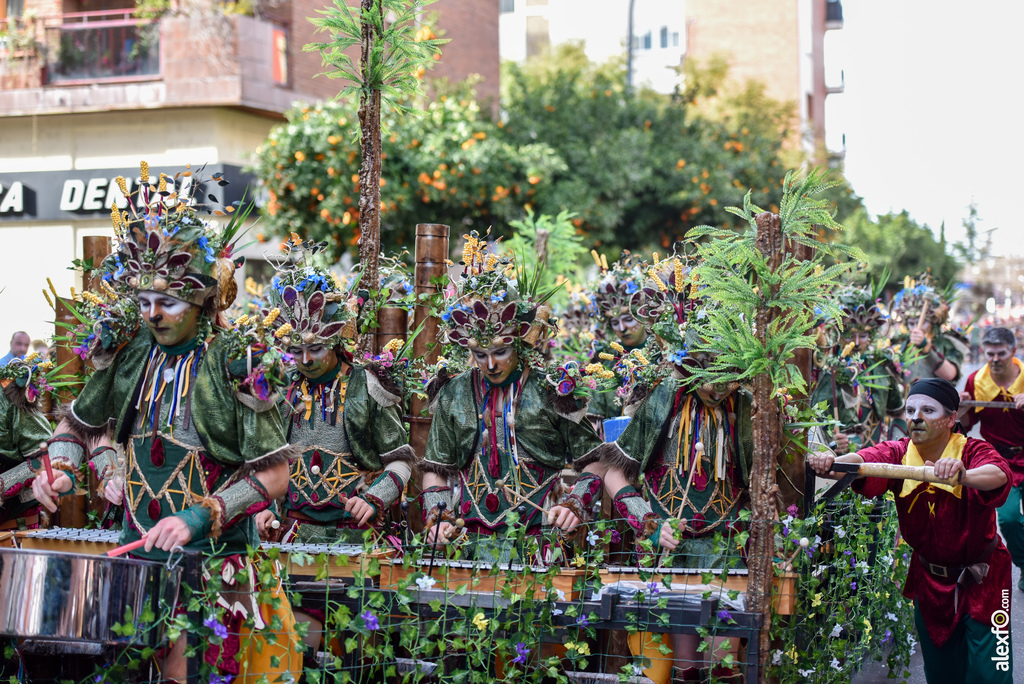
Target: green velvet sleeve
446	444
108	391
373	424
234	432
21	430
580	437
639	440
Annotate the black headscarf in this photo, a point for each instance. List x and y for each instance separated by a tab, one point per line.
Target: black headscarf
938	389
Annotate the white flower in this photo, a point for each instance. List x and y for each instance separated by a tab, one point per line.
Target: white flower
557	611
840	532
777	658
863	566
806	673
787	521
835	663
836	631
592	538
560	594
891	616
886	560
637	670
425	582
818	569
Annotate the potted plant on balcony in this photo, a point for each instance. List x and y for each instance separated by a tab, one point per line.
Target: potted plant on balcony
23	63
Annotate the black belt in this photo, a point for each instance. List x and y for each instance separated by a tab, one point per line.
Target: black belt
946	571
1011	450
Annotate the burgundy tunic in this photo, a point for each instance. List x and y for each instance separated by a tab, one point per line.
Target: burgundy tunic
947	531
1003	428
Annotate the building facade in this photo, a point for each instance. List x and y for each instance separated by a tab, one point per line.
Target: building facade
87	91
782	43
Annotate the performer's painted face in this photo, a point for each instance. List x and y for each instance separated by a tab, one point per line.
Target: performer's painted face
497	363
861	340
998	356
713	394
628	330
313	360
171	320
928	419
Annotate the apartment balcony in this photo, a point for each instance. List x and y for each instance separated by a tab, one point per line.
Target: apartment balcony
837	87
111	60
833	14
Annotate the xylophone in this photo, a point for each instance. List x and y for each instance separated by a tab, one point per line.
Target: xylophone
479	576
691	580
317	561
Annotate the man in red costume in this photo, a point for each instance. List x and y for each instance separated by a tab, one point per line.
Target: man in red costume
959	577
1001	379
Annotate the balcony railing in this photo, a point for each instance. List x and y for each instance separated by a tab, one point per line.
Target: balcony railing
80	47
109	44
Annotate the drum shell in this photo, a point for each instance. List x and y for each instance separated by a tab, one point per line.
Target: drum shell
76	597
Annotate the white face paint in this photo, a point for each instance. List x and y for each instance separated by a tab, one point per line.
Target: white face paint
171	320
928	419
313	360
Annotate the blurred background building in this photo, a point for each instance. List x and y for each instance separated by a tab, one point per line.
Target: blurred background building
88	88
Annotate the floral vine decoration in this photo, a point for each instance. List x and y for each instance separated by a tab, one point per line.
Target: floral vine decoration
255	361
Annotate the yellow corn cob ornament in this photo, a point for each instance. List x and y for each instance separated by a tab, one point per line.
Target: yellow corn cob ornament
144	172
677	265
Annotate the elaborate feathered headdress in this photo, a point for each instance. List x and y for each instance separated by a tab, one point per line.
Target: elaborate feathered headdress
495	302
861	312
164	245
919	296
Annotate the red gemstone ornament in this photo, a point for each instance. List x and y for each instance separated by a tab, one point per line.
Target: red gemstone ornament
153	509
156	452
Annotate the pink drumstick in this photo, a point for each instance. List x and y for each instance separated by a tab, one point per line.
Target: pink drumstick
49	468
126	548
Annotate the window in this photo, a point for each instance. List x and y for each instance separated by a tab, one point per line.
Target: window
14	9
675	39
647	41
538	35
508	5
664	37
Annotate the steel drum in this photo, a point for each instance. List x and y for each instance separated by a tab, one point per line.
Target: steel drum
61	596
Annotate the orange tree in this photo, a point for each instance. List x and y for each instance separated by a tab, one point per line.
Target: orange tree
449	165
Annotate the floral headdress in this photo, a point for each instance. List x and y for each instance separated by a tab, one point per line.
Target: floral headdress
617	284
861	312
165	246
313	306
665	303
106	320
23	380
495	302
909	303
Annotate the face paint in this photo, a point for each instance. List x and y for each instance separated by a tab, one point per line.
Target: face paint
628	330
171	320
861	340
999	357
314	360
928	420
713	394
496	363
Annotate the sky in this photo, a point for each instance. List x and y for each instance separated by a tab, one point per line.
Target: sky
932	110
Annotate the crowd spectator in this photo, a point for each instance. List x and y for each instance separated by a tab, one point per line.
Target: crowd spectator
19	347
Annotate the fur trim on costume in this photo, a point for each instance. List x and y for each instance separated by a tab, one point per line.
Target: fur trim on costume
568	407
16	395
215	506
257	405
403	453
285	454
383	389
82	429
611	454
436	384
444	470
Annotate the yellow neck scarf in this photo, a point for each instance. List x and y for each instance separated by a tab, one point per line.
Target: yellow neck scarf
986	389
954	449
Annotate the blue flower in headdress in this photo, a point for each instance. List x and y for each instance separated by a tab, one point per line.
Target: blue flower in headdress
498	297
679	354
899	296
631	287
152	221
204	244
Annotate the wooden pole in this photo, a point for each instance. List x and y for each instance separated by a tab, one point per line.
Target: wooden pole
392	324
370	171
767	442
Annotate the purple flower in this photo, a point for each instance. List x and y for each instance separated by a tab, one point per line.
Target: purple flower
616	537
793	510
653	587
853	585
521	653
219	630
888	635
372	623
583	622
217	679
724	615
